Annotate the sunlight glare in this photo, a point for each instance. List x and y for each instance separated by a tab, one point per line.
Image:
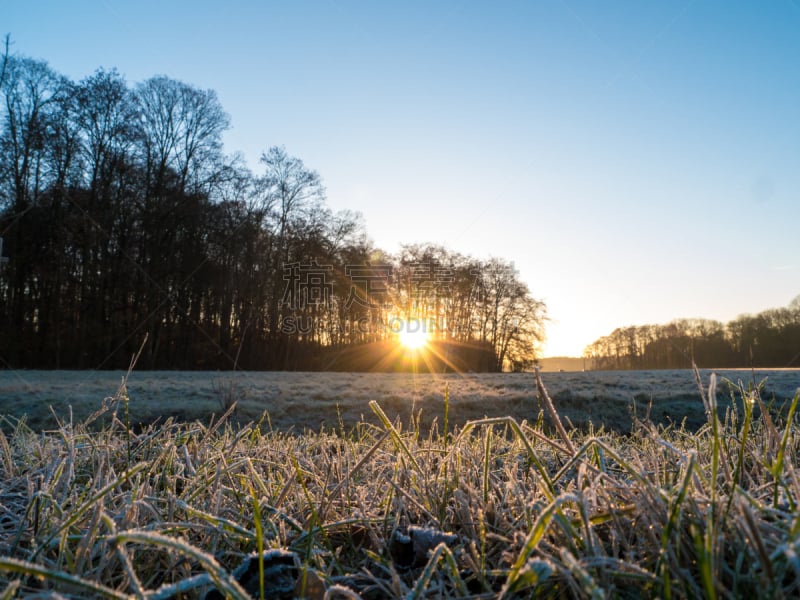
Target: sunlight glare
413	336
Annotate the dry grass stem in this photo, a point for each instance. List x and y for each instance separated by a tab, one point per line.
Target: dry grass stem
494	508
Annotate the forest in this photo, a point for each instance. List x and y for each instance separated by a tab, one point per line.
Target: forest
125	226
768	339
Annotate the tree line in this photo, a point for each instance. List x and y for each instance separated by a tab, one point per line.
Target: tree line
768	339
123	218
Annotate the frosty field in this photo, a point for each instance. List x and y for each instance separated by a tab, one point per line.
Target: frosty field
303	401
496	508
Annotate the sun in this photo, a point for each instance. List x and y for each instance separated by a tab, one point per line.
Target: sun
413	335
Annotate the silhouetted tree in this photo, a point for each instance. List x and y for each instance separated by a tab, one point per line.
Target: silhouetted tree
289	194
768	339
122	216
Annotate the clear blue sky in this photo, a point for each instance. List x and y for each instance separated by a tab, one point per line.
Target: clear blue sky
638	161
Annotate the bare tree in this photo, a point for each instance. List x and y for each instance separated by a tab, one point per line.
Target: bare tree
30	89
182	127
6	54
290	193
122	215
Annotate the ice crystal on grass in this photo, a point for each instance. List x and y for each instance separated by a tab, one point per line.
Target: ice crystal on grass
492	508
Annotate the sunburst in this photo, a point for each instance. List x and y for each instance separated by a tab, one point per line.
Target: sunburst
413	335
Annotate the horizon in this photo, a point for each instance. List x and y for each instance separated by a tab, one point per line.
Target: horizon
637	164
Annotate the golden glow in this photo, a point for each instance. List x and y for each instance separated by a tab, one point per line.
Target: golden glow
413	335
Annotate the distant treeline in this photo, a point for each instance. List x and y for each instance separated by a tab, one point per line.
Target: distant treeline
122	217
768	339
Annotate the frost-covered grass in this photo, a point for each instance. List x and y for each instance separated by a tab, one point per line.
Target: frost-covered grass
302	401
388	508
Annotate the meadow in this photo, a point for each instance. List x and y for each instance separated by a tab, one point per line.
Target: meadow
313	401
586	485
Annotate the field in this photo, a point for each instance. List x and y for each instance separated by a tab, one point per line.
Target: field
388	486
310	401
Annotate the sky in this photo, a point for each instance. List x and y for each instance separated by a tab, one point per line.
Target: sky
637	161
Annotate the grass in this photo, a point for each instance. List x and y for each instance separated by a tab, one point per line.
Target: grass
306	401
494	508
